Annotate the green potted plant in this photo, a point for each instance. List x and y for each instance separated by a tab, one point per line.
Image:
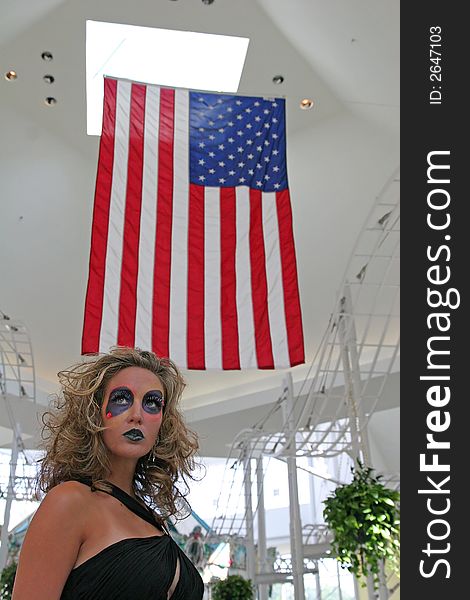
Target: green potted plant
7	579
234	587
364	519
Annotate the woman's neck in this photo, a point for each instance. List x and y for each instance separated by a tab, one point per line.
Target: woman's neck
122	475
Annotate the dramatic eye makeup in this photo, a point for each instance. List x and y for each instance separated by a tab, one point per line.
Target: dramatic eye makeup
119	401
153	402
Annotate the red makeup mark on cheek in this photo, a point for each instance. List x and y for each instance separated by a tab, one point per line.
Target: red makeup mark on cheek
156	417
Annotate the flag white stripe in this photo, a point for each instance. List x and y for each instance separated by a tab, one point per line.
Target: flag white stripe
212	312
112	277
180	230
179	242
277	318
148	221
246	328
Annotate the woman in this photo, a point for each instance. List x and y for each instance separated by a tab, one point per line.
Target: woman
115	444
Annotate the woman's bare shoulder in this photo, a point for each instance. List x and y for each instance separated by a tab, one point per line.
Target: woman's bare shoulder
67	496
75	488
52	542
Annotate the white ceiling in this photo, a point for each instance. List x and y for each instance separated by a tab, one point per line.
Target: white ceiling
342	53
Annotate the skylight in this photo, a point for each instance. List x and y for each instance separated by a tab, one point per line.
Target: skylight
184	59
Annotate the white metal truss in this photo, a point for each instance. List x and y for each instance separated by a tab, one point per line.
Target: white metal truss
16	359
359	350
358	353
17	381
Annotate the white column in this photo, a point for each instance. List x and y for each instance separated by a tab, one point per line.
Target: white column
352	380
340	593
296	541
262	551
383	589
9	500
370	587
317	580
249	540
357	591
313	497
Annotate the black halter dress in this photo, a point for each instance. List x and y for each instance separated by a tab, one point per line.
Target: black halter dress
135	568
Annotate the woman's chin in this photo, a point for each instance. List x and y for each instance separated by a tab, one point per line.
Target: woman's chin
134	450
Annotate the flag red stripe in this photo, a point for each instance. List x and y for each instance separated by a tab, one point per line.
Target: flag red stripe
162	269
228	279
99	234
289	279
131	233
220	331
259	284
195	329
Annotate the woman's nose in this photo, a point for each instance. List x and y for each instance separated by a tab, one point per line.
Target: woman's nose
135	413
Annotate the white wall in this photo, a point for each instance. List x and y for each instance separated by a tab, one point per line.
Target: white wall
44	182
336	171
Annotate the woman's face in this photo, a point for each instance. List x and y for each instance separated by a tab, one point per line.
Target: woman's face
132	412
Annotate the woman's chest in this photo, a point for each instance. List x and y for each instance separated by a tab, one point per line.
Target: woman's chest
108	521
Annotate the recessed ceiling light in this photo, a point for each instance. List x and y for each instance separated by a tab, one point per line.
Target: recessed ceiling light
193	60
306	103
47	56
50	101
48	78
11	75
277	79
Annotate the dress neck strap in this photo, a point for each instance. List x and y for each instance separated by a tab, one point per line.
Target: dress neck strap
131	503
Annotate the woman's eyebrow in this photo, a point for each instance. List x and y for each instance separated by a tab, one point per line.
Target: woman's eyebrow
121	387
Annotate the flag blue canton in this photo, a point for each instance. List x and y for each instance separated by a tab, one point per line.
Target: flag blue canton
237	140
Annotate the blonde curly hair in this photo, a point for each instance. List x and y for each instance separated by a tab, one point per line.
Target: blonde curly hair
74	446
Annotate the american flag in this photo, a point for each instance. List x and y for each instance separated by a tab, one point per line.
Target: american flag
192	250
